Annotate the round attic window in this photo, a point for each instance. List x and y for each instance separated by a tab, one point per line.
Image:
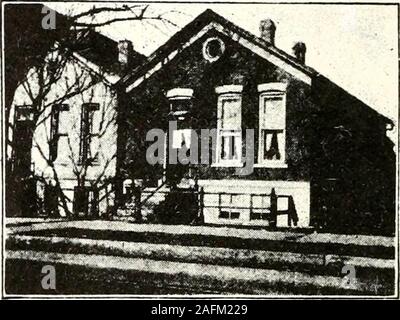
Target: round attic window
213	48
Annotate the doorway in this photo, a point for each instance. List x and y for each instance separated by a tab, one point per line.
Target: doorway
86	203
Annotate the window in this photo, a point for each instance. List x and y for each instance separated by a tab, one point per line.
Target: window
260	207
24	113
272	129
271	142
229	125
181	106
181	137
213	49
180	101
22	136
229	206
89	137
55	132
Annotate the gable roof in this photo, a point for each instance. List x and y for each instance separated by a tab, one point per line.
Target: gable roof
98	54
214	20
182	39
102	50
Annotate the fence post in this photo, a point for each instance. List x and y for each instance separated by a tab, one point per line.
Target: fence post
138	203
201	205
274	208
292	213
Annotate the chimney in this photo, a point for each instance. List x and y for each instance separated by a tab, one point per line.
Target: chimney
267	29
125	51
299	51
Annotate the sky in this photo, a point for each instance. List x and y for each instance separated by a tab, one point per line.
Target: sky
356	46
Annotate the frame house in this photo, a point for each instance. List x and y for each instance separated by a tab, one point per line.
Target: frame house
63	143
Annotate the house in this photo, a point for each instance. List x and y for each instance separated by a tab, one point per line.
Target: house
63	127
320	157
284	147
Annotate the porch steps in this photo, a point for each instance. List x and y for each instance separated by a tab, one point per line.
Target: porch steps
217	260
150	198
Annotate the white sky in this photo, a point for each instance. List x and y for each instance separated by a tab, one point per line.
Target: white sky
356	46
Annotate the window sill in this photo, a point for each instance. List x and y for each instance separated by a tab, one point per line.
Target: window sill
92	164
62	163
227	165
271	164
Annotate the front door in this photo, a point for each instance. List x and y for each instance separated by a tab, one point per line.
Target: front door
86	202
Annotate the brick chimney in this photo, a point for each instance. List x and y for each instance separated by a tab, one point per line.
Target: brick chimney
267	30
299	51
125	51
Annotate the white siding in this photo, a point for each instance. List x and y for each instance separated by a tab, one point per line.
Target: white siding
75	78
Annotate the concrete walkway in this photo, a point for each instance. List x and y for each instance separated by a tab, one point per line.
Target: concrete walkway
203	254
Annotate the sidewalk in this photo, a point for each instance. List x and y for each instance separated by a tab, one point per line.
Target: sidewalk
231	232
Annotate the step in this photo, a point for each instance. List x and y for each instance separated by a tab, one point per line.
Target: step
153	196
199	277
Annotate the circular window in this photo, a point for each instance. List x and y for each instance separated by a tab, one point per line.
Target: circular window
213	48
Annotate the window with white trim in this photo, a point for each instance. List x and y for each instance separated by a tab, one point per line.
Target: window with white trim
213	49
180	101
229	125
272	124
24	113
229	206
260	208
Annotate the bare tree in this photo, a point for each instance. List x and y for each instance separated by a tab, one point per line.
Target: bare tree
57	79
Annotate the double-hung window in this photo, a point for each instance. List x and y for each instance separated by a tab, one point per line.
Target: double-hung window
260	207
229	125
88	148
272	124
229	206
22	136
58	130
